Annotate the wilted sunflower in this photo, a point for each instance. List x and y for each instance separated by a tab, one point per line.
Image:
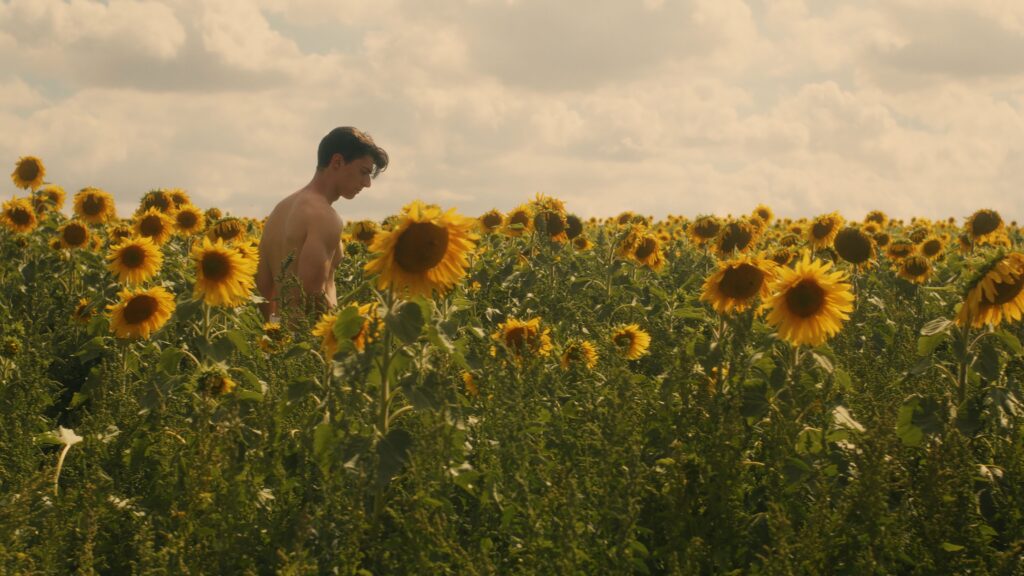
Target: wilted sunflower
809	304
899	249
324	329
365	231
140	312
223	276
28	172
915	268
155	225
226	229
491	220
983	225
158	199
573	226
932	247
854	245
738	283
52	195
579	353
189	220
735	236
519	221
996	294
524	338
135	260
94	206
764	214
824	229
73	234
704	229
19	216
426	251
630	341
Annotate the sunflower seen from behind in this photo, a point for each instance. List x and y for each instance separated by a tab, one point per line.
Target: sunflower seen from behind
996	294
28	173
809	304
94	206
223	276
738	284
140	312
427	251
19	216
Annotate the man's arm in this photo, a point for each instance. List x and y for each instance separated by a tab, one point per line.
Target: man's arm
314	264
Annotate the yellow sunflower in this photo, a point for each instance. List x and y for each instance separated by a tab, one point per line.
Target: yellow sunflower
216	382
854	245
877	217
158	199
426	251
364	231
764	214
630	341
579	353
524	338
73	234
179	197
782	256
140	312
83	311
53	195
573	226
899	249
519	221
189	220
19	216
704	229
735	236
28	172
933	247
647	252
550	212
738	283
996	294
983	225
915	268
582	243
94	206
155	225
809	304
824	229
467	380
135	260
226	229
324	329
223	276
491	221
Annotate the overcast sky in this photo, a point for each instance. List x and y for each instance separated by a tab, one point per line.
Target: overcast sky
915	107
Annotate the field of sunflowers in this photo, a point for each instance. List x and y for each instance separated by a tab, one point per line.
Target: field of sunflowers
519	393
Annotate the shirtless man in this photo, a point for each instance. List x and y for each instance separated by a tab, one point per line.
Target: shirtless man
303	232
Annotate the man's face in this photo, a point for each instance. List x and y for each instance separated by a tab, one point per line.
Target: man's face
351	177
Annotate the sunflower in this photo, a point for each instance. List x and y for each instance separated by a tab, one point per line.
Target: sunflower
737	283
94	206
249	249
579	353
188	219
116	234
213	214
223	276
782	256
324	329
824	229
364	231
582	243
491	220
53	195
179	197
735	236
647	252
915	268
877	217
426	251
524	338
809	304
135	260
983	225
630	341
549	213
996	295
573	226
467	380
158	199
155	225
764	214
704	229
519	221
140	312
19	216
28	172
854	245
216	382
83	311
932	247
226	229
899	249
73	234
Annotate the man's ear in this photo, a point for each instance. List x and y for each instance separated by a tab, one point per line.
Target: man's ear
337	160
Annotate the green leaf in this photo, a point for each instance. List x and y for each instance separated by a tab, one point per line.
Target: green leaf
936	326
246	395
348	324
184	311
300	388
1011	342
393	451
927	344
237	338
950	547
169	360
918	417
406	321
323	444
296	350
92	349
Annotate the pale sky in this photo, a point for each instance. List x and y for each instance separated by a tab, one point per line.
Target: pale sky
915	107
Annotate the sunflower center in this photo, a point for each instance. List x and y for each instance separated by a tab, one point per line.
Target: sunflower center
822	229
624	340
140	308
646	247
491	220
853	246
985	222
93	205
158	201
133	256
215	266
151	226
228	232
741	282
517	337
74	235
554	223
20	216
521	218
187	219
916	266
931	247
574	226
28	170
735	237
1007	291
421	247
706	229
806	298
366	234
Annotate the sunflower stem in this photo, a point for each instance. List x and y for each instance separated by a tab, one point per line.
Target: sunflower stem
206	322
965	339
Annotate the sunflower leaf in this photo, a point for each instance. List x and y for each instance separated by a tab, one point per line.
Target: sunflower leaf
936	326
406	321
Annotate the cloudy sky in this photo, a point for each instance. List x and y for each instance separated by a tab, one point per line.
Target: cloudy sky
686	107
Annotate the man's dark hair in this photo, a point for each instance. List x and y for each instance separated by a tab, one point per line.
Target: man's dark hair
352	144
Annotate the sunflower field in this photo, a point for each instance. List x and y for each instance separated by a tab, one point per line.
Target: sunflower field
517	393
